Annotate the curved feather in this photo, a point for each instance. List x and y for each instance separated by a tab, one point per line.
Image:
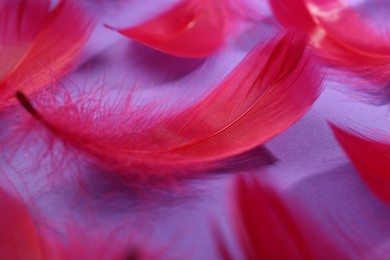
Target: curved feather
268	228
370	155
267	92
363	27
191	28
357	39
19	238
38	46
20	22
354	37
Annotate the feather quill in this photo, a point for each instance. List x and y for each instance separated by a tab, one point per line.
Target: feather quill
370	155
191	28
266	93
267	228
38	46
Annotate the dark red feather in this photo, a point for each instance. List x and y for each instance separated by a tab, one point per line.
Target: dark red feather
268	228
370	154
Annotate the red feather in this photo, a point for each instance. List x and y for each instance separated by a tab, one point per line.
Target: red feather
266	93
293	13
19	238
353	37
268	228
361	27
191	28
37	46
370	155
24	236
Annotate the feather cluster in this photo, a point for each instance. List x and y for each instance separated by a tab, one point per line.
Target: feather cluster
143	142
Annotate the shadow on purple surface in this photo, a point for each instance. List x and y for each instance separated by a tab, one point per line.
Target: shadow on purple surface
344	205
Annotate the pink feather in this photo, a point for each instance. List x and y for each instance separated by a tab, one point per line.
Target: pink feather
268	228
293	14
350	36
361	27
266	93
38	46
191	28
19	238
370	155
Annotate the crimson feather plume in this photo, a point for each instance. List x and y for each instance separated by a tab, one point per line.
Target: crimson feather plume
268	228
268	91
370	154
353	37
38	45
191	28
